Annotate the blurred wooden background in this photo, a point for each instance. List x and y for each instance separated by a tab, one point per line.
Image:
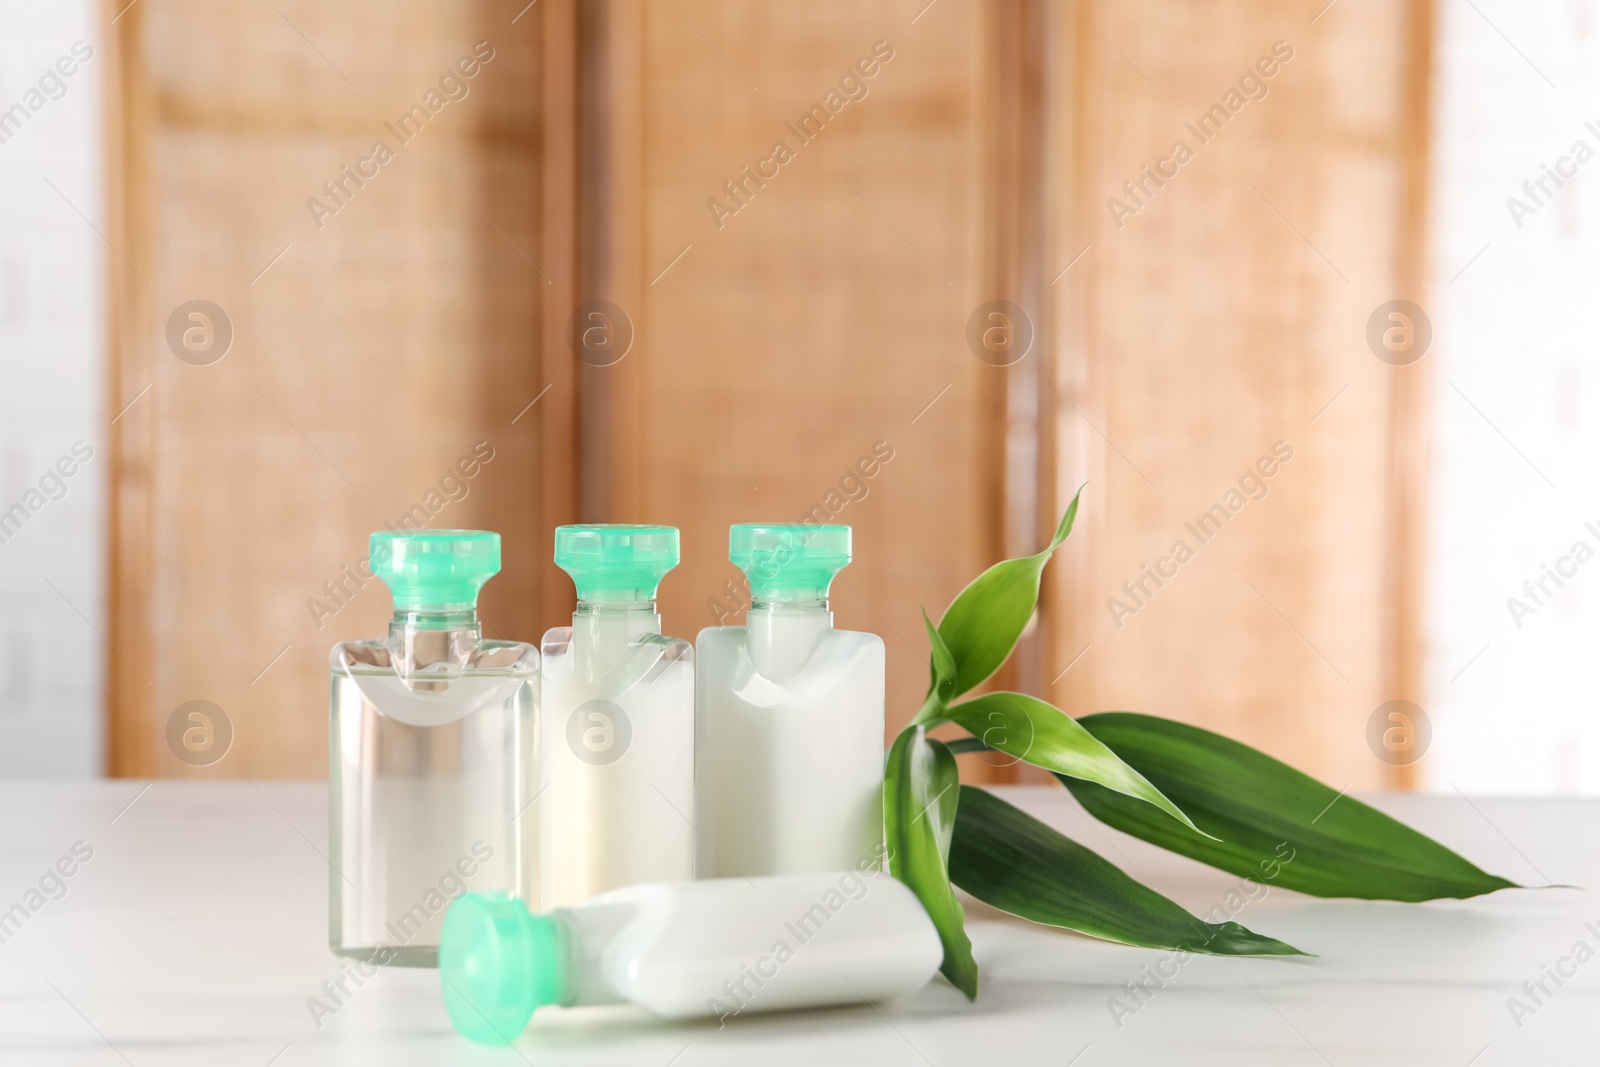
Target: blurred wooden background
1229	314
777	346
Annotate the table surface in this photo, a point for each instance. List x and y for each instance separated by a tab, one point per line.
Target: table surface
195	933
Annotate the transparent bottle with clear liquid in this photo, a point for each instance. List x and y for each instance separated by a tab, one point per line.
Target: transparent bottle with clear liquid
433	736
788	716
617	737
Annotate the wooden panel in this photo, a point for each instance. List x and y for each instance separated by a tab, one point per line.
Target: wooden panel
1227	313
129	690
782	336
789	329
1410	416
374	346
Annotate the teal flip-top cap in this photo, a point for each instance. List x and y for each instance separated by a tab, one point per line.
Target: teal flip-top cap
497	963
616	562
789	560
433	568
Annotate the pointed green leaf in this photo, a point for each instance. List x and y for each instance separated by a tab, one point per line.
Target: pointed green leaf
982	625
1068	517
920	794
1330	845
941	663
1045	736
1012	861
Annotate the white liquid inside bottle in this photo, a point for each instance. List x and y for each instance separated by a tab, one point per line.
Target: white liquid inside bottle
716	948
616	744
789	718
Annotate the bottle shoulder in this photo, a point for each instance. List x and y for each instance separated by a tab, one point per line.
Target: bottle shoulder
715	640
502	649
862	638
558	642
610	671
846	668
488	657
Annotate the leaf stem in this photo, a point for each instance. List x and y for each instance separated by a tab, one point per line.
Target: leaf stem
931	712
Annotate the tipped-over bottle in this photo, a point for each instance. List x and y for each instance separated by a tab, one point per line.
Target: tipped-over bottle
714	948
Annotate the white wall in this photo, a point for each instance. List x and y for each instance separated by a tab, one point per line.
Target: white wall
51	395
1517	336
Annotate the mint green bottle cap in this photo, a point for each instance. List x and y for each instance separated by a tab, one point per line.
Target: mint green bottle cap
433	568
615	562
497	963
789	560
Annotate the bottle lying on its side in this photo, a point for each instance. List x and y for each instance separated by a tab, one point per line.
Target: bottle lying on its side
713	948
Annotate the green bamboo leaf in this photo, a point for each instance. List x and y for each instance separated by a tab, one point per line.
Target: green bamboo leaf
920	794
1261	808
1012	861
1045	736
941	664
982	624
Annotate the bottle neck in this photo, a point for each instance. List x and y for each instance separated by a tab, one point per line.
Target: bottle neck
435	638
782	635
603	629
435	617
586	933
561	971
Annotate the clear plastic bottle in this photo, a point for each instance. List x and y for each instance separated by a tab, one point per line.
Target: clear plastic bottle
432	754
788	716
714	948
617	751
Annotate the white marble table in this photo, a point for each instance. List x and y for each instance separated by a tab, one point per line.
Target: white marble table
195	934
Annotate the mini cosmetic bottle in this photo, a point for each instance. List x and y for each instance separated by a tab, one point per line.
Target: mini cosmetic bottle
617	754
714	948
432	753
788	717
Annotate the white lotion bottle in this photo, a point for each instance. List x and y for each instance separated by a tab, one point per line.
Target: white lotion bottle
617	734
712	948
788	717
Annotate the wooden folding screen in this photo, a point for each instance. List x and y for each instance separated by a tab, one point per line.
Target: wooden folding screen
799	203
388	307
1216	312
705	261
